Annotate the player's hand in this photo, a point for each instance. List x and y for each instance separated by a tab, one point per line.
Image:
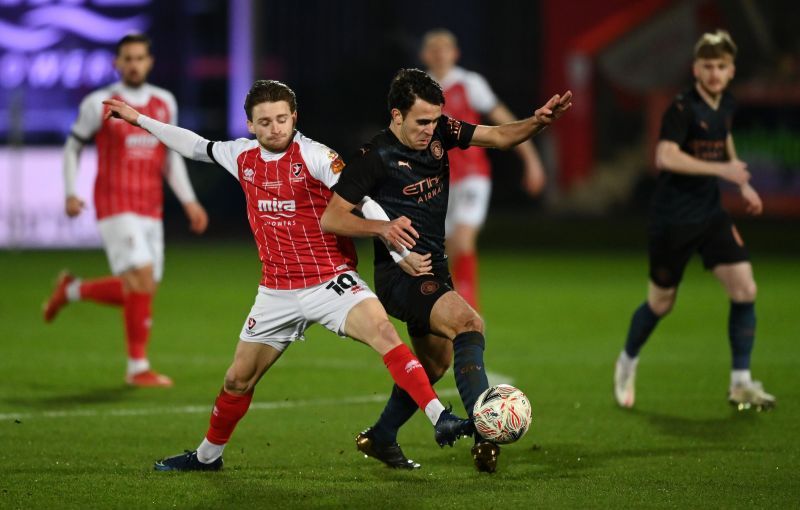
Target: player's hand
121	110
554	108
73	206
736	172
399	233
534	179
753	201
198	219
416	264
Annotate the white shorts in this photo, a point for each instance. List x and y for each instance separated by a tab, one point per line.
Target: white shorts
469	202
279	317
133	241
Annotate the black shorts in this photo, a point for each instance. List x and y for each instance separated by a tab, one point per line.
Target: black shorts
411	298
671	246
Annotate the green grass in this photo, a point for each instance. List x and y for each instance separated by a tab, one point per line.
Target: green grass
555	323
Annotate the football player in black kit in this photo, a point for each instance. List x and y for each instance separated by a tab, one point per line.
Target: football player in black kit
695	150
405	169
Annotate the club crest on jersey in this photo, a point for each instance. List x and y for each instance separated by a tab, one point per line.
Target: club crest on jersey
297	169
436	149
248	174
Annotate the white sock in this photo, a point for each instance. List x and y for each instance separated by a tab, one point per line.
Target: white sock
208	452
74	290
136	366
741	377
433	410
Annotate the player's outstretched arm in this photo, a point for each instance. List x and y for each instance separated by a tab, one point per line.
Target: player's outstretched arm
186	143
338	219
511	134
669	156
534	177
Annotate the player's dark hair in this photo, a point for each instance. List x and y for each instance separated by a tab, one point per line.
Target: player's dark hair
715	45
410	84
134	38
268	91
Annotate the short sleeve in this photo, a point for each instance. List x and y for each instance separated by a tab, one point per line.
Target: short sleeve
455	133
364	172
675	123
226	154
480	94
90	117
324	163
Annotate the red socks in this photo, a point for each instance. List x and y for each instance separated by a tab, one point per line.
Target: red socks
138	318
228	410
465	277
409	374
103	290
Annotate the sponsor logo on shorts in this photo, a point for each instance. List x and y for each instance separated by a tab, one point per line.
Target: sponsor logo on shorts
436	149
429	287
355	289
412	365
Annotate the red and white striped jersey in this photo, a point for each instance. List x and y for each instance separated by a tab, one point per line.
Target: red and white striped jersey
130	160
467	97
286	194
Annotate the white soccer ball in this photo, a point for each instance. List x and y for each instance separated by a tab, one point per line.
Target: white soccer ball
502	414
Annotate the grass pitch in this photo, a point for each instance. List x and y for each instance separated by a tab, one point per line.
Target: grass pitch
73	436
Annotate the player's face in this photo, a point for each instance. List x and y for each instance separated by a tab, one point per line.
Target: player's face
134	63
440	54
415	129
273	124
713	74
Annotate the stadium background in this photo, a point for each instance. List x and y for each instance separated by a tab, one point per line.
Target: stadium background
560	275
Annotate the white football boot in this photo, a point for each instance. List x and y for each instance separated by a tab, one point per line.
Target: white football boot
750	395
625	380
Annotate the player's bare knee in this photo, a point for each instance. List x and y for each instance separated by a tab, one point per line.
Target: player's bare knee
387	333
471	323
236	384
662	305
744	293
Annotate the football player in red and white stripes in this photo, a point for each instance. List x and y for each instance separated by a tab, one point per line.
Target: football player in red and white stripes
128	199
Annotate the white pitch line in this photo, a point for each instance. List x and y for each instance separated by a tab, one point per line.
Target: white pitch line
494	378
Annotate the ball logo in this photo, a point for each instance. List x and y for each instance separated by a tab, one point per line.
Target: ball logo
436	149
429	287
248	174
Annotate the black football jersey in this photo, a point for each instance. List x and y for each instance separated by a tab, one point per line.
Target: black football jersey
407	182
701	132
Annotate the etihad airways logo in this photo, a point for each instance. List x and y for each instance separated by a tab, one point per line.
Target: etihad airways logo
277	208
425	189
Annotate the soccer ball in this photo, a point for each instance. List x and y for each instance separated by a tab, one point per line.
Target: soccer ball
502	414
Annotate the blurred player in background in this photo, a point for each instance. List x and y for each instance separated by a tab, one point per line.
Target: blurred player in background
307	276
128	196
468	97
405	169
695	150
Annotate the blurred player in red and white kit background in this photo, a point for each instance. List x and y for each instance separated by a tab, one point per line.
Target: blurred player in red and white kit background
128	198
468	97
